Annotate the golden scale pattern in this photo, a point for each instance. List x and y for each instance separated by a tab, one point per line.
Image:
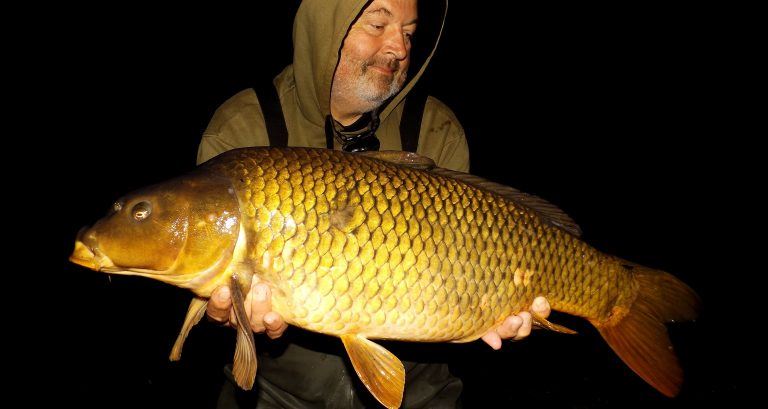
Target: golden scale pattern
362	246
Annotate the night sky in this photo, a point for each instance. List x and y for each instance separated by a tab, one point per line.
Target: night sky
614	115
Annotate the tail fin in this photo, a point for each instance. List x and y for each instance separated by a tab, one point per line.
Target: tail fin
640	337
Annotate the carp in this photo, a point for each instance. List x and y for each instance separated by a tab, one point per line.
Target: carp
381	245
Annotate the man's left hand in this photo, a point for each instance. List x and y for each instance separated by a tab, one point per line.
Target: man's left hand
517	327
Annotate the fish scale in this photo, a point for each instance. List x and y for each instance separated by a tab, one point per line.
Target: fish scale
421	237
381	245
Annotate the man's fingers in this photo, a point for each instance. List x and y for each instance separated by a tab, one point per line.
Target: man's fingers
517	327
510	327
261	304
219	305
275	326
525	328
541	307
258	307
493	339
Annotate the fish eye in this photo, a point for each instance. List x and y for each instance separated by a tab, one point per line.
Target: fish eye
141	211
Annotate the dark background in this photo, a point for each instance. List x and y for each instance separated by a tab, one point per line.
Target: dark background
621	116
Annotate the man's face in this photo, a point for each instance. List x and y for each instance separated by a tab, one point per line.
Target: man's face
374	58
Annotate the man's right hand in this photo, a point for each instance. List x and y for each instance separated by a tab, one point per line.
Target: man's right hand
258	307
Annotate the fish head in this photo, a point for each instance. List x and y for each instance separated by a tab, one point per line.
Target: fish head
182	232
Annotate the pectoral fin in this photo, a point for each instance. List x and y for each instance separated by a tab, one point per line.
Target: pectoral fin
194	314
381	372
244	366
542	322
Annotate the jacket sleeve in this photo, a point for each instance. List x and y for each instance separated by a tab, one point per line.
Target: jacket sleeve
442	137
237	123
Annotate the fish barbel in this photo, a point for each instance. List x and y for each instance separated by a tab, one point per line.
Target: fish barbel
381	245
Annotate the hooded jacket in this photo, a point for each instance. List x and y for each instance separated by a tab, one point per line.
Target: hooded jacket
304	89
303	370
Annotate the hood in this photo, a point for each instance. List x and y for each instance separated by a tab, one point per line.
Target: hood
318	34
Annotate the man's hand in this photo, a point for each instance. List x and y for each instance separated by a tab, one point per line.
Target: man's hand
518	326
258	307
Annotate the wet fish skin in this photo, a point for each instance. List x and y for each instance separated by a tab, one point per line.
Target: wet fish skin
366	249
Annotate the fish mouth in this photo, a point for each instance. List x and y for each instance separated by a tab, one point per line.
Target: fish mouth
92	258
132	272
84	256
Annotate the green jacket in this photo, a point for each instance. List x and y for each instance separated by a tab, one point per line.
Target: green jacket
303	370
305	89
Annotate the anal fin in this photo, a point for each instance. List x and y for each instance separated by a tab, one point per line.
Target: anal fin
245	363
195	312
381	372
542	322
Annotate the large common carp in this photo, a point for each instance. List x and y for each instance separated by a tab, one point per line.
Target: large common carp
381	246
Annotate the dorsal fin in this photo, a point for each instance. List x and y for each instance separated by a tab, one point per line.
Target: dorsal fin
547	211
402	158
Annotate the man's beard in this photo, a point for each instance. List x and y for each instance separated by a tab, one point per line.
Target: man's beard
375	87
365	86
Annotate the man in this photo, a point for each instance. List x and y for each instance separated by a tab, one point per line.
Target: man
346	90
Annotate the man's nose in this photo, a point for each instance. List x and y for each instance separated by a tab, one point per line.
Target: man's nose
395	44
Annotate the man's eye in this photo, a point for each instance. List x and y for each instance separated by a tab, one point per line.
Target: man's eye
377	26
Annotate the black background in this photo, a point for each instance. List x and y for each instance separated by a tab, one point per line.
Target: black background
619	115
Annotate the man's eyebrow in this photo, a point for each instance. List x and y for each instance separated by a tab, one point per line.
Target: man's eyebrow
381	10
385	11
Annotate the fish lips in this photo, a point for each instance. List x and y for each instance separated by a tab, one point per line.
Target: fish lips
87	254
83	256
